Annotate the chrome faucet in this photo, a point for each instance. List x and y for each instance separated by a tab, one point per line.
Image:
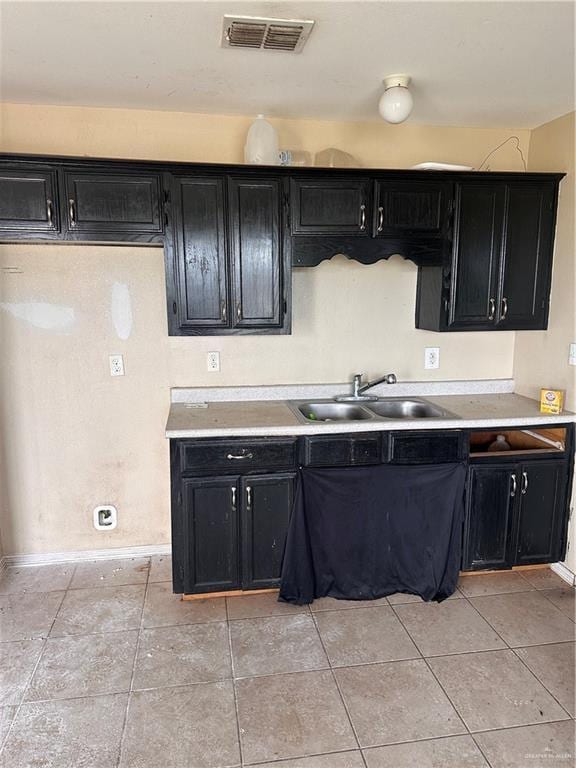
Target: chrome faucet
358	388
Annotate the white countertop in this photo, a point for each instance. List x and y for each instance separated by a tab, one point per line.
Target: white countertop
262	418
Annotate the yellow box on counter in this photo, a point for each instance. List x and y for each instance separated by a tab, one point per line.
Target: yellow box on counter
551	400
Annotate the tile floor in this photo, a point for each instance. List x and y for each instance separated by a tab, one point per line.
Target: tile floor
102	667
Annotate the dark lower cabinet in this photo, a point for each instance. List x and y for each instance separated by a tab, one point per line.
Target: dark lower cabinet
28	201
266	508
515	514
489	511
230	531
211	523
542	500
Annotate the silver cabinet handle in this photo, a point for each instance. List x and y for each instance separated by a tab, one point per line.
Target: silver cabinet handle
504	308
223	311
233	489
514	485
238	311
524	483
72	212
362	217
235	456
248	498
380	219
492	312
49	213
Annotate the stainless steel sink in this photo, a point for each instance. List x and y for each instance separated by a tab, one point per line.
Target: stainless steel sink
381	410
408	409
330	411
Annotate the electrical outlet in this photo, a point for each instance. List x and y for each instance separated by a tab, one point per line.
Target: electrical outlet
431	357
213	361
572	354
116	365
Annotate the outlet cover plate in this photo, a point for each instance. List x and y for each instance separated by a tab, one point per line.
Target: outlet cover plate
431	357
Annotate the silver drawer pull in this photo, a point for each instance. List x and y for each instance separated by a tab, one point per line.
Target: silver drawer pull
492	312
524	483
49	213
362	217
239	458
72	212
514	484
504	308
248	497
233	489
380	219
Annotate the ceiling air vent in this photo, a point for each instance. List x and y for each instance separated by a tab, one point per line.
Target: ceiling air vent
265	34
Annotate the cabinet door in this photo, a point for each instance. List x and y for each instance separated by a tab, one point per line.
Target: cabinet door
211	531
476	256
491	494
200	253
409	208
527	259
266	508
108	202
256	252
28	201
330	206
541	512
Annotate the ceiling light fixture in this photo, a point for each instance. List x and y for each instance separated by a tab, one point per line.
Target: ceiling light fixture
396	102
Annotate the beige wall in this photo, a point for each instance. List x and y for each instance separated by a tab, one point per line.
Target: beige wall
73	436
541	358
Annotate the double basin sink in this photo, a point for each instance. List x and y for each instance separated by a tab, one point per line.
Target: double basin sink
383	408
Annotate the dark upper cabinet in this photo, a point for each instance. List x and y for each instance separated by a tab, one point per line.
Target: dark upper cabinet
515	514
266	508
541	502
201	264
227	256
29	201
498	274
527	256
489	516
212	534
112	203
476	255
330	206
255	238
411	208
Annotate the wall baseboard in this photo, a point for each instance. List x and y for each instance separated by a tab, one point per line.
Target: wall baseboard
51	558
564	573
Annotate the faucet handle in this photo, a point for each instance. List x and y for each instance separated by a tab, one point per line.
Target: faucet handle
391	378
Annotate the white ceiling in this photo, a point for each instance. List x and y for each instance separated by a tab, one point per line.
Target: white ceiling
473	63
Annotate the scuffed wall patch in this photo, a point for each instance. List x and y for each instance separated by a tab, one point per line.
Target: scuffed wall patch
121	310
40	314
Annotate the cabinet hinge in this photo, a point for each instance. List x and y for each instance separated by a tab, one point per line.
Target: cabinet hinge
174	308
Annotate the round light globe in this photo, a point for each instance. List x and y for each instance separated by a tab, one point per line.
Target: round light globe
396	104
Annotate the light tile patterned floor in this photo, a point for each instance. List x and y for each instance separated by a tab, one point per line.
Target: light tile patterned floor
102	667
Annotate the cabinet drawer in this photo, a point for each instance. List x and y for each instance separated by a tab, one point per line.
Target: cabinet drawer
341	450
236	455
426	447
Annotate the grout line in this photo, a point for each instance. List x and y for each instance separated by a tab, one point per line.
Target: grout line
134	662
236	709
543	592
337	684
535	676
